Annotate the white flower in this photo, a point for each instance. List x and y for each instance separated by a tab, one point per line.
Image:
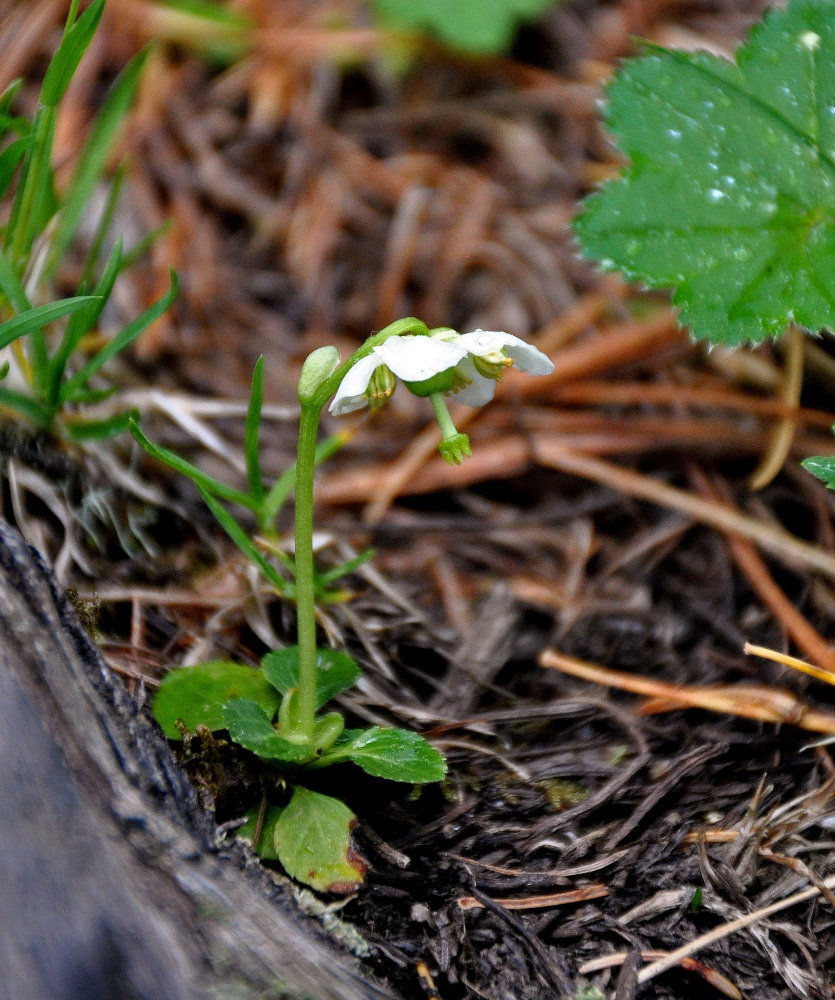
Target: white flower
468	365
411	358
488	353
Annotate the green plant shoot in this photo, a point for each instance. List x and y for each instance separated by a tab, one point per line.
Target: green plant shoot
278	713
54	382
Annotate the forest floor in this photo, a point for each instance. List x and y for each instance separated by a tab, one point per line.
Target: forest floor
320	185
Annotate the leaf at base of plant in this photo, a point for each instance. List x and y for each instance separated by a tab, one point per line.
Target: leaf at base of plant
196	695
396	754
251	727
335	672
313	843
265	848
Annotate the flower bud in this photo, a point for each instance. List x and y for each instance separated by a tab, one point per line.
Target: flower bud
316	370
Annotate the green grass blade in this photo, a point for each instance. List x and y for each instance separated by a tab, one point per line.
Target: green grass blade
9	94
251	428
93	155
202	481
66	59
87	430
286	482
243	541
11	286
119	342
10	160
25	405
325	579
34	320
31	194
80	323
103	227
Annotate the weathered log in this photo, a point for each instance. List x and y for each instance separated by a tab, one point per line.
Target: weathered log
110	883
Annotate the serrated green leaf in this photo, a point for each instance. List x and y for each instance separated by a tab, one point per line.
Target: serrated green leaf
822	466
251	727
478	26
265	848
196	695
396	754
335	672
730	195
313	843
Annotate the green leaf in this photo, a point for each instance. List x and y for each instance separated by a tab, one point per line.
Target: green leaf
200	479
251	429
119	342
9	160
36	319
822	466
313	843
396	754
81	323
730	195
94	153
99	430
335	672
265	848
478	26
243	541
251	727
196	695
66	59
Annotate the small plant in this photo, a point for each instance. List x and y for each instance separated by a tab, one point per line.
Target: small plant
53	387
276	712
730	194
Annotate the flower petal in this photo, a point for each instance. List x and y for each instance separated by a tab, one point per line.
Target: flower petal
480	390
350	394
415	359
524	356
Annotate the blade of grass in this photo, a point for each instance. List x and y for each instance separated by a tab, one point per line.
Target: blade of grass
201	480
103	227
86	430
24	404
324	579
10	160
243	541
12	288
284	485
92	158
119	343
73	45
80	323
251	428
35	319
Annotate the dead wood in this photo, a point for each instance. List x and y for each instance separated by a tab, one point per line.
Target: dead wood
110	883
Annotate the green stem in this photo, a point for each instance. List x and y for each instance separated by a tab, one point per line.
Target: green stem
442	415
305	582
311	408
